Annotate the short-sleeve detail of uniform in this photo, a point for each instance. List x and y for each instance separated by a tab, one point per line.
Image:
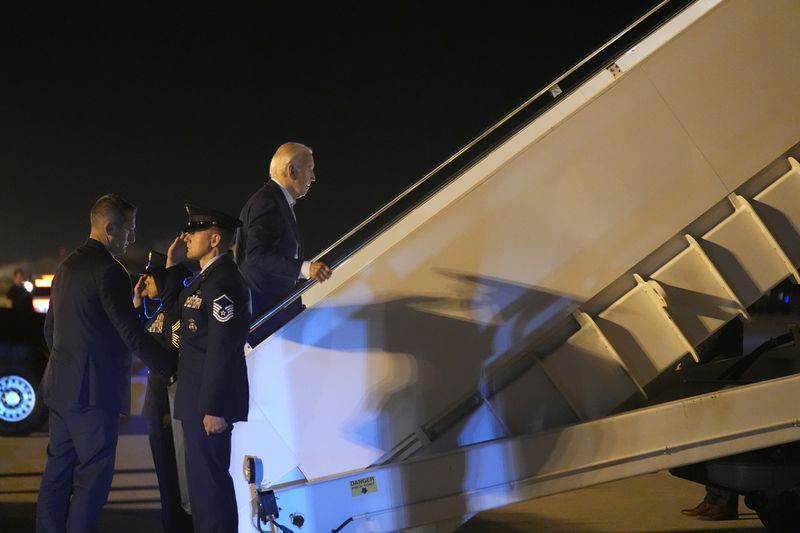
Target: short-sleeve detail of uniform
223	308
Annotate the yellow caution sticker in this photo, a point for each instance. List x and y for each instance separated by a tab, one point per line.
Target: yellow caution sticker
359	487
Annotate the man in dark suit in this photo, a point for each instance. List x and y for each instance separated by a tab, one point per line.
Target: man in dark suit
212	387
270	249
91	329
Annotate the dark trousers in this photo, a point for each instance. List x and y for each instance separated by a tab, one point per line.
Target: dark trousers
722	497
159	430
79	470
211	494
715	494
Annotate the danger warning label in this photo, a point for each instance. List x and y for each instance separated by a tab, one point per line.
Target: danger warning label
359	487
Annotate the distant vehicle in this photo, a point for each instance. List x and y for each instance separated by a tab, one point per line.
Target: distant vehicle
23	357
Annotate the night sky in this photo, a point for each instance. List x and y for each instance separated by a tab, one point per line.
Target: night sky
165	105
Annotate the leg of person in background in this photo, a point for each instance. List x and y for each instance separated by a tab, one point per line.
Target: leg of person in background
722	504
160	435
180	457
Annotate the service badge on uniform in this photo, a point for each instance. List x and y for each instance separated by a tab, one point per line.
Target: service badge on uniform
157	326
223	308
176	338
193	301
191	325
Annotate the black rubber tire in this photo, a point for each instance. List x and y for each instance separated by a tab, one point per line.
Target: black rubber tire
22	411
782	514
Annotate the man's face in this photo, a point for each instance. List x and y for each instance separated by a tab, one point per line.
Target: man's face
198	243
303	175
120	235
19	277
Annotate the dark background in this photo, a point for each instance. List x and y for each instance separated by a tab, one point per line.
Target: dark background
166	105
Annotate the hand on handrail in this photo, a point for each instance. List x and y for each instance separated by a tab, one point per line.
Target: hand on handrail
320	271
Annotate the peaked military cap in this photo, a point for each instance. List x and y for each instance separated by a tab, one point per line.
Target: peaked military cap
201	218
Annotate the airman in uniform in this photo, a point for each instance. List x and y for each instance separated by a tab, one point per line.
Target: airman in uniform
212	389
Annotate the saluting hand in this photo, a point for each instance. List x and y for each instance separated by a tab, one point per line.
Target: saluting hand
139	291
177	251
214	424
320	271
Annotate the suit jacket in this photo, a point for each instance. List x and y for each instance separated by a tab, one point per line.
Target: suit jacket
215	320
91	329
269	249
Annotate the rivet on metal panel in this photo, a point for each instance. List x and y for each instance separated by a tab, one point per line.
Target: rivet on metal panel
615	70
555	90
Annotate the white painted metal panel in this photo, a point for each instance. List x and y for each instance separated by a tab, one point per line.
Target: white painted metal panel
640	331
498	473
531	403
777	207
740	250
696	295
482	425
588	374
719	79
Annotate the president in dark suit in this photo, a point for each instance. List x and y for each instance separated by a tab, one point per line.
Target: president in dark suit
269	250
91	330
212	387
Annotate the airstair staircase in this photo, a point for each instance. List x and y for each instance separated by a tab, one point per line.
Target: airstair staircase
470	355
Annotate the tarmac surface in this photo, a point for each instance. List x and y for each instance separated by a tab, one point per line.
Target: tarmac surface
649	503
644	504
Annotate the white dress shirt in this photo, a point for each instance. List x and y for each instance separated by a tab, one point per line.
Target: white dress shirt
210	262
305	268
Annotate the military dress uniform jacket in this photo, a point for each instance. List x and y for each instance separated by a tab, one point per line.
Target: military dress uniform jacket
164	326
269	250
91	329
215	321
